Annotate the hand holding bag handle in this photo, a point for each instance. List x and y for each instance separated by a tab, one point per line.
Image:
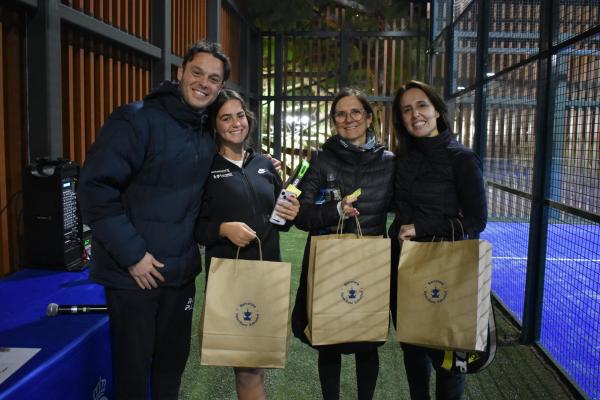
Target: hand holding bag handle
260	255
340	227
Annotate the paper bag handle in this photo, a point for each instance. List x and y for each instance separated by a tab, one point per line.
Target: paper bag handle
340	227
461	228
452	226
237	254
358	228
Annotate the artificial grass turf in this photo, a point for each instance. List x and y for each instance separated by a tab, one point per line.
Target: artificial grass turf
518	372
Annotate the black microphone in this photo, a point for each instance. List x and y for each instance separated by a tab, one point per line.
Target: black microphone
54	309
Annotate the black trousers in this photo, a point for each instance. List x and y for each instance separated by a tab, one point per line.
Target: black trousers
367	369
150	332
417	361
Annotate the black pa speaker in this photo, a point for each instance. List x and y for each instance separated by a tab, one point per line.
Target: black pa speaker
52	222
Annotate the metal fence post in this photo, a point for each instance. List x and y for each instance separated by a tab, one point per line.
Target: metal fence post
213	20
538	229
44	85
480	106
278	104
161	37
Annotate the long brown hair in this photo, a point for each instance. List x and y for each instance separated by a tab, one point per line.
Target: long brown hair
224	96
405	139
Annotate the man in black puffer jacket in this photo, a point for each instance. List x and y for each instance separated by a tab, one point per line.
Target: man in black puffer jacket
140	191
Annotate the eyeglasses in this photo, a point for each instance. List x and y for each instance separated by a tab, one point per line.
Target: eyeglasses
355	114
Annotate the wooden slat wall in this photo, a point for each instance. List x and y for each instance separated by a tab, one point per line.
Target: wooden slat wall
382	65
510	100
377	65
579	145
231	40
460	6
97	78
464	119
13	131
511	139
510	127
313	70
465	56
188	19
131	16
522	21
577	18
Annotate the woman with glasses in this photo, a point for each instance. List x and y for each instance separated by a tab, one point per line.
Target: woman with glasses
439	191
349	160
240	194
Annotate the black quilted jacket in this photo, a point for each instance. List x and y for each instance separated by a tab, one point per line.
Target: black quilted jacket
370	170
438	186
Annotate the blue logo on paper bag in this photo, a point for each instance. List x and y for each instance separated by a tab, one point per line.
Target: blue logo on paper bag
352	292
247	314
435	291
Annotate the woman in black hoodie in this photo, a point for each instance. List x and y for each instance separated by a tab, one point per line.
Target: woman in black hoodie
240	194
353	159
438	192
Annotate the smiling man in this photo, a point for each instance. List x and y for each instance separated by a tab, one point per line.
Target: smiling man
140	191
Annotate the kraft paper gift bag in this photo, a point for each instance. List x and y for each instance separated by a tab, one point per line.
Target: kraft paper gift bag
246	314
444	294
348	289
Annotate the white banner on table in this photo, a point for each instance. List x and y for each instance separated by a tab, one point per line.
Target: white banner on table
13	358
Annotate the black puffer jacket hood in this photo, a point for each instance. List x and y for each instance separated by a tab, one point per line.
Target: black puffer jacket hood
168	94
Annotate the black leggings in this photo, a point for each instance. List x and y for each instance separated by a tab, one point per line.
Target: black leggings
367	369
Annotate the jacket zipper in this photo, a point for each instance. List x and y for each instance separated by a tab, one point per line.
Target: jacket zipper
251	194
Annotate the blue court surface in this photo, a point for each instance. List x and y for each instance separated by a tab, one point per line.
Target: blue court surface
570	329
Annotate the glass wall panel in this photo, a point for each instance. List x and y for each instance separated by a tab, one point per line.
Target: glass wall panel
465	49
514	33
575	17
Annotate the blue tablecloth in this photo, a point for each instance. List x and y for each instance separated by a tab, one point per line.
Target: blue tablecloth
75	357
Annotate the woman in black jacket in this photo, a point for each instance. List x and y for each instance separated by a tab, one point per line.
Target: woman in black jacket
240	194
438	191
352	159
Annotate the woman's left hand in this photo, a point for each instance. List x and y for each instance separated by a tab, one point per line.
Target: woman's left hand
288	209
276	163
407	232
